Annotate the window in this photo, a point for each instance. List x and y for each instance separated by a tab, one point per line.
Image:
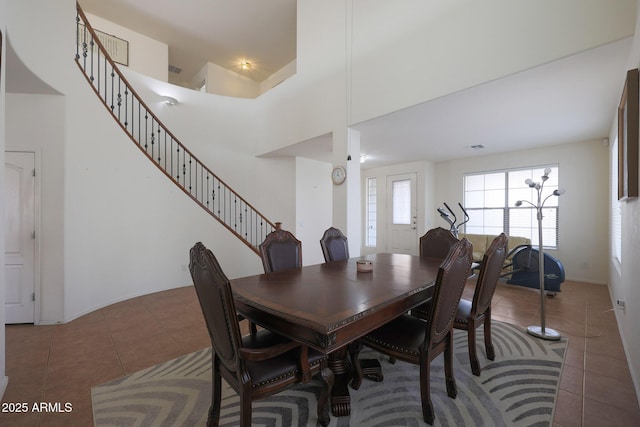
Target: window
490	199
371	212
401	202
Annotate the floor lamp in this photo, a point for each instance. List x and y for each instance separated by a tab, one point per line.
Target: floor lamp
541	331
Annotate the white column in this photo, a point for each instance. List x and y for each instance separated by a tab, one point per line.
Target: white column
347	211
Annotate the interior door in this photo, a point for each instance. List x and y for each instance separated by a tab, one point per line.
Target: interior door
19	229
402	232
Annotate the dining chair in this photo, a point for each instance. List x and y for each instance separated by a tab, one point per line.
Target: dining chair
417	341
280	251
471	314
257	365
334	245
435	243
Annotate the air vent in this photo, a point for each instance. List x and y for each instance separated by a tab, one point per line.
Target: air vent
174	69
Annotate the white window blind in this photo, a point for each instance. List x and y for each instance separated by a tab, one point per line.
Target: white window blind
402	202
372	209
490	199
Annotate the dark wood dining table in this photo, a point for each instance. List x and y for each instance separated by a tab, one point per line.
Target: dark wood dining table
328	306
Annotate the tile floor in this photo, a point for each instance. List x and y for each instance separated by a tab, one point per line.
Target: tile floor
60	363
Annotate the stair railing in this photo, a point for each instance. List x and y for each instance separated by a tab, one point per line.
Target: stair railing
152	137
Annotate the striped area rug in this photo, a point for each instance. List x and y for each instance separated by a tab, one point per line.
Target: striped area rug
519	388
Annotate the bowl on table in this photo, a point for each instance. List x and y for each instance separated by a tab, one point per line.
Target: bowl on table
364	266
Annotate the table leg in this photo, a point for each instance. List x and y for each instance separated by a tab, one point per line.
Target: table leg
341	367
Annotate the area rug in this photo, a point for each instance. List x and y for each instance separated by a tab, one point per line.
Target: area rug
519	388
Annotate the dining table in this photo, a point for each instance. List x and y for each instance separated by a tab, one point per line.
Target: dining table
328	306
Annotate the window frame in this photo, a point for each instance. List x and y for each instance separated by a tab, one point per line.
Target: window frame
510	189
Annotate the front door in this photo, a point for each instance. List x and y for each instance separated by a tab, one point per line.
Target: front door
402	231
19	256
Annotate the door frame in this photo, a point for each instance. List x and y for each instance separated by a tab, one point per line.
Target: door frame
37	225
413	177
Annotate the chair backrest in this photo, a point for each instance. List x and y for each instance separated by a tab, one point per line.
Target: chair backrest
216	300
334	245
452	276
280	251
437	243
491	267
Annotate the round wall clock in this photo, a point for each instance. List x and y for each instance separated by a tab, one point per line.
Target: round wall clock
338	175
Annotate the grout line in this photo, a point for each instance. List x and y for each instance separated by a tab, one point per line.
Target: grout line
113	343
584	362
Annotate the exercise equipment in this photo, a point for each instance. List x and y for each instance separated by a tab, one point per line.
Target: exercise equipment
525	264
452	222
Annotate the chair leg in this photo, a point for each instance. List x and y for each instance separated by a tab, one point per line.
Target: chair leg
354	351
369	368
216	394
452	390
245	408
473	355
327	378
488	344
425	390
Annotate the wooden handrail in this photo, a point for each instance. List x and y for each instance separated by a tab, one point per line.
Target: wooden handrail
160	145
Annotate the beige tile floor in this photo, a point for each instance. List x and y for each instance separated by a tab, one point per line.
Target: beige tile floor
60	363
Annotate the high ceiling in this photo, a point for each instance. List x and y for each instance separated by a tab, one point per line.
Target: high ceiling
569	100
225	32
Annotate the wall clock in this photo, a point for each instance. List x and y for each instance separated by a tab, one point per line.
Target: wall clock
338	175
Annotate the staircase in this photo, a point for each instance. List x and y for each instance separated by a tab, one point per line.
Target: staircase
160	146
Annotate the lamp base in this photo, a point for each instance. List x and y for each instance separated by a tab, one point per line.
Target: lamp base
546	334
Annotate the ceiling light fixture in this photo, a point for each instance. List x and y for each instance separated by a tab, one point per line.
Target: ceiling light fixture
245	65
169	100
363	158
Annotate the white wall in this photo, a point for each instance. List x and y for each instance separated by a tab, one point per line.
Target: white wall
433	48
623	278
278	77
583	213
47	141
3	378
313	207
221	81
146	55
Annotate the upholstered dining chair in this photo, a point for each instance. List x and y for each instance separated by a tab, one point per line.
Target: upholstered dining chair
435	243
334	245
280	251
257	365
417	341
471	314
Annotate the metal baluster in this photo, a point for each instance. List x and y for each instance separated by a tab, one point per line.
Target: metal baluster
119	95
126	107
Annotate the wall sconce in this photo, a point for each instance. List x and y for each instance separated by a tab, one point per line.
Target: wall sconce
169	100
